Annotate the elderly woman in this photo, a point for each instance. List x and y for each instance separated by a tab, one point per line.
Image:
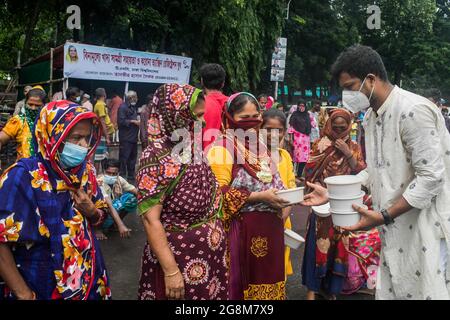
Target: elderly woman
326	261
185	256
48	204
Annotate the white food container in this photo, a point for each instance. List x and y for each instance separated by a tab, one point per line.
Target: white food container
344	204
292	240
343	186
294	196
346	219
323	210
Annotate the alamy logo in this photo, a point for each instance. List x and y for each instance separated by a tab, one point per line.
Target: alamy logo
374	20
74	20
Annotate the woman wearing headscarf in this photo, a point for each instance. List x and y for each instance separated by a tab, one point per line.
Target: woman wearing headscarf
48	205
326	258
300	124
20	127
179	200
252	211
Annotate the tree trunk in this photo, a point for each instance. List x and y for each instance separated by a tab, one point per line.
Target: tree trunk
30	29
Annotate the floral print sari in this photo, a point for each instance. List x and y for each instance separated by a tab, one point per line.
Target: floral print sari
52	242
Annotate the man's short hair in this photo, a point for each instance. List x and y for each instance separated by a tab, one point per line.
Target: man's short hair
72	92
213	76
112	163
358	61
131	93
434	94
100	92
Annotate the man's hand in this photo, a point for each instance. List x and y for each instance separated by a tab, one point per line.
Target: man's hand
369	220
135	122
318	197
124	231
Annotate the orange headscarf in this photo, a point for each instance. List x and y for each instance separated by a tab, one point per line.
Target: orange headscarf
328	128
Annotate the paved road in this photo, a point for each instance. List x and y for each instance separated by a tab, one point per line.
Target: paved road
123	258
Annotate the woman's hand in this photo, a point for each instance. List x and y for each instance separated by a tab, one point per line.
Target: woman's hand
343	147
286	212
317	197
174	286
28	294
83	203
272	199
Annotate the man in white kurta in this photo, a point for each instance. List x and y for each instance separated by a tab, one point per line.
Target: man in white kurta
408	154
408	175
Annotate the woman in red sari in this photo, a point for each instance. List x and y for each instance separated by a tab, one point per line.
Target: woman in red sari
325	263
253	211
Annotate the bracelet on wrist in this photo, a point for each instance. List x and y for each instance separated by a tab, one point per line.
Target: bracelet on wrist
172	274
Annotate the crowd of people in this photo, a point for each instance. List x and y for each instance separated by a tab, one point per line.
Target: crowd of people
215	228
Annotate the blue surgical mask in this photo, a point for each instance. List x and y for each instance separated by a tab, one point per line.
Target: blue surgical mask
73	155
109	180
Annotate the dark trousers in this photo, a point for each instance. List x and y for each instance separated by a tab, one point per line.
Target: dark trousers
127	158
300	167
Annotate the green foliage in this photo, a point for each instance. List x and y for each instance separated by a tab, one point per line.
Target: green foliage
414	38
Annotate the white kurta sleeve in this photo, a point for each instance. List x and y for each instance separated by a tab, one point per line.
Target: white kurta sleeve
420	137
364	176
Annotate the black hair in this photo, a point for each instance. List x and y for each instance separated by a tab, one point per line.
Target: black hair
37	93
359	61
262	95
434	93
213	76
201	96
72	92
149	98
239	102
274	114
301	101
112	163
100	92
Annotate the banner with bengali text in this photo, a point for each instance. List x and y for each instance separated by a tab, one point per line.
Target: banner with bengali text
82	61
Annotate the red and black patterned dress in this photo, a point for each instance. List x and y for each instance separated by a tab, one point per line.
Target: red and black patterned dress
191	200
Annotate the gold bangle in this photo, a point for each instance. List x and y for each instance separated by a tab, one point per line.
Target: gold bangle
172	274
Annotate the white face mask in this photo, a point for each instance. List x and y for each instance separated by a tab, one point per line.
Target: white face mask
356	101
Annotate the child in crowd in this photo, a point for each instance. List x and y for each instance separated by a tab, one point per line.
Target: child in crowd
274	121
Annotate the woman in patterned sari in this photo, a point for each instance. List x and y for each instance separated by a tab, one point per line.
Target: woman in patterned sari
48	204
325	263
252	210
185	256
